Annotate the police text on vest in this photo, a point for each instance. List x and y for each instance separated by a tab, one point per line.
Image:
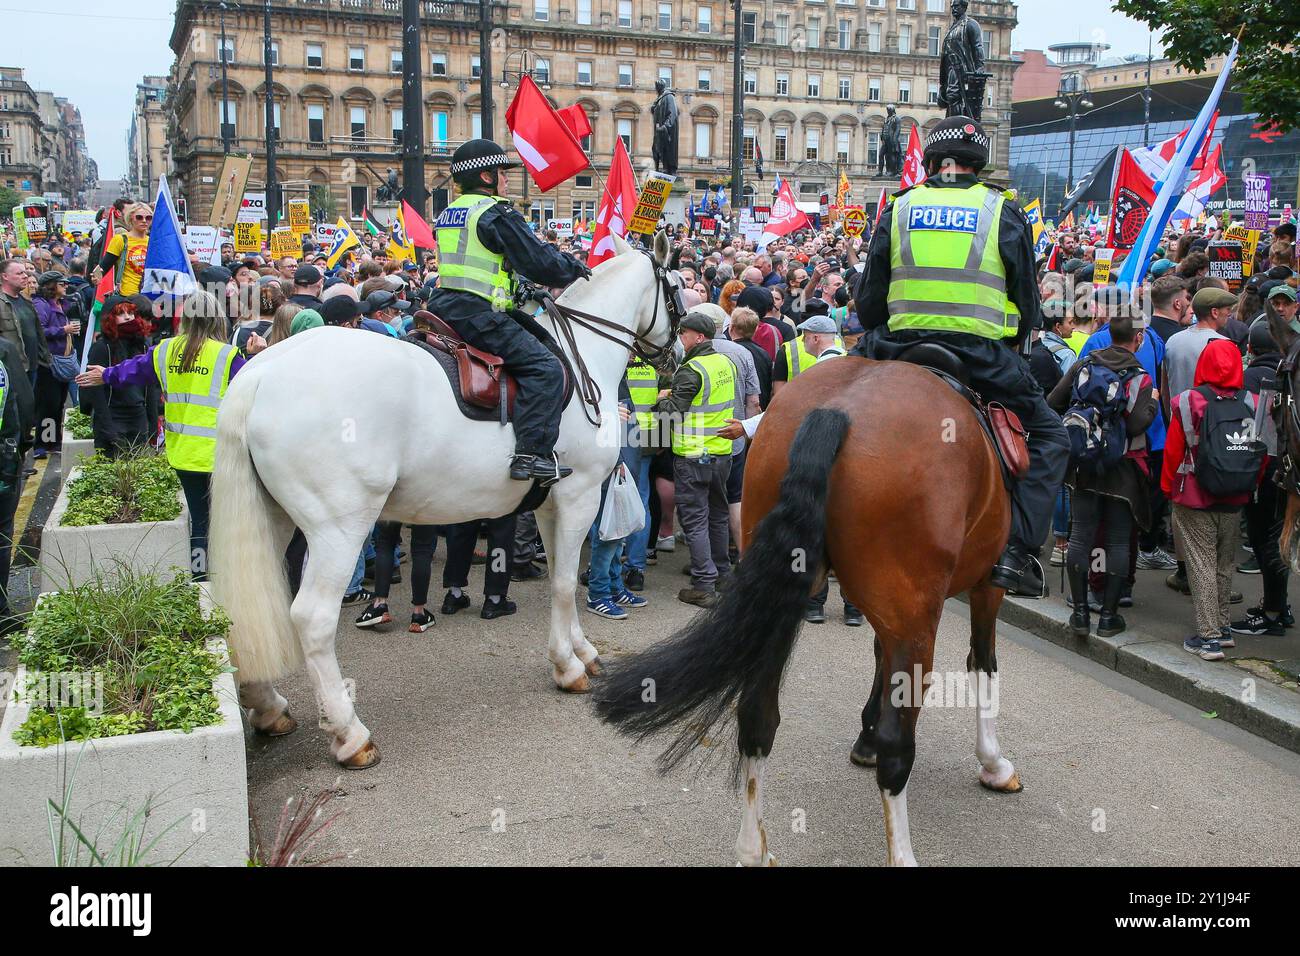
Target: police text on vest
946	218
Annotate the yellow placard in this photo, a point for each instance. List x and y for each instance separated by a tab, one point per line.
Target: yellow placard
285	242
300	217
855	221
248	237
1101	266
1249	239
650	204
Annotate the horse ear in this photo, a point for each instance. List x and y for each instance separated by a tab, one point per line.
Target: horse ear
1283	334
663	248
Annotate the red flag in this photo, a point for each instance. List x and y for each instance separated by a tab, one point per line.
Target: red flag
417	230
109	278
616	206
784	217
544	142
575	117
1053	260
913	170
880	209
1130	202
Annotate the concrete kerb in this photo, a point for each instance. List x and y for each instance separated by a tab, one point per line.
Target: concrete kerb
1233	694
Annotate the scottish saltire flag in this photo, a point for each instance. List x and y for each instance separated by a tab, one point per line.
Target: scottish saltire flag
167	269
1169	187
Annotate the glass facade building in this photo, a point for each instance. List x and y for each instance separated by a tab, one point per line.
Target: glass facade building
1040	141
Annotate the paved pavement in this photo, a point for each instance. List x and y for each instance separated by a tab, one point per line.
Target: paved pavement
474	734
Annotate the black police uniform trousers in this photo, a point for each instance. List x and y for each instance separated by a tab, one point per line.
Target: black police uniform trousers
537	372
1001	375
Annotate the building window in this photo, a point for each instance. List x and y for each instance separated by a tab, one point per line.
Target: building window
783	84
846	88
625	74
275	53
907	4
438	64
748	137
232	119
625	133
476	125
625	13
812	144
356	58
873	90
359	200
780	137
934	6
814	84
315	56
665	16
666	74
394	61
586	143
783	29
988	44
584	12
846	34
475	67
275	120
438	127
542	10
842	144
315	123
873	149
749	27
875	3
397	127
932	95
542	71
904	91
704	80
932	40
357	122
873	37
704	20
582	182
814	32
751	83
703	140
225	50
584	72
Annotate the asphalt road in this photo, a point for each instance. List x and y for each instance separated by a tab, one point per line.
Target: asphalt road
485	762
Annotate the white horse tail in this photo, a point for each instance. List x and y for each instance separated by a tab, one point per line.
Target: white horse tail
248	575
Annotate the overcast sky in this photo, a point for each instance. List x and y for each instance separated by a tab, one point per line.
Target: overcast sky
95	53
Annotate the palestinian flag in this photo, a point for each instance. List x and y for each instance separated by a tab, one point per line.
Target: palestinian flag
371	223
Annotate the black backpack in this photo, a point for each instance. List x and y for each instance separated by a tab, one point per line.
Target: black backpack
1230	454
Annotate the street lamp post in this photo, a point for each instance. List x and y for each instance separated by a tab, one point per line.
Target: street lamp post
486	106
225	93
737	118
272	188
413	189
525	69
1072	95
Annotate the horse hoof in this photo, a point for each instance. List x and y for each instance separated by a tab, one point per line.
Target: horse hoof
284	724
767	860
1011	785
580	686
593	668
863	754
366	757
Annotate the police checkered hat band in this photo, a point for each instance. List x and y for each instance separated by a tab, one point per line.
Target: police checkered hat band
481	162
966	134
479	154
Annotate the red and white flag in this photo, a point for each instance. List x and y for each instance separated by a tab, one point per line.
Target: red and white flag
784	218
616	206
880	209
543	139
1204	185
913	170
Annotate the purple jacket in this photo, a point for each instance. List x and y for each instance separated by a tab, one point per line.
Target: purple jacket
53	321
140	371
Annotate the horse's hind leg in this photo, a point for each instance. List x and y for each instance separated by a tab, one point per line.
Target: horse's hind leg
757	716
864	751
996	771
269	711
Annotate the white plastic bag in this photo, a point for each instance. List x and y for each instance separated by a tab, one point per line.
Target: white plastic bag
623	513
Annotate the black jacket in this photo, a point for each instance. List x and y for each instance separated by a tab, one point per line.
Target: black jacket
1015	243
19	414
122	416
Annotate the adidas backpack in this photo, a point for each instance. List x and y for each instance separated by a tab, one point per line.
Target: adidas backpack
1230	454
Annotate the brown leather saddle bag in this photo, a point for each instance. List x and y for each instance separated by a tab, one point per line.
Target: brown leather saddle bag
484	381
1011	437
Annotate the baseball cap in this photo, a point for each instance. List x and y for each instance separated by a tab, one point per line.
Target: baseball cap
340	310
306	275
377	301
1211	298
1283	290
757	298
818	323
1160	267
214	275
813	307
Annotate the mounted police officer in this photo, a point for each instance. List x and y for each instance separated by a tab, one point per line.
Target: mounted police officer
482	242
952	262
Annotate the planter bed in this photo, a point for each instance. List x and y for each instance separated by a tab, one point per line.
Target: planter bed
71	555
73	449
198	778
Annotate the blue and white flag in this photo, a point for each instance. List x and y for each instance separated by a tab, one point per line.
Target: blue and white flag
167	269
1171	184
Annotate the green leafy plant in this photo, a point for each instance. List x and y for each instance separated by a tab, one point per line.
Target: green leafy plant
79	425
138	487
146	641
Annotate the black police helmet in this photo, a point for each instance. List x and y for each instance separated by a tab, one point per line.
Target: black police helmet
473	157
960	139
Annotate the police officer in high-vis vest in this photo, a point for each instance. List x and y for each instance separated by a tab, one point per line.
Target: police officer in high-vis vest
482	242
700	403
952	262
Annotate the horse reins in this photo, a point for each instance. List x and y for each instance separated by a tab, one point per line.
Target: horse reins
1288	474
564	317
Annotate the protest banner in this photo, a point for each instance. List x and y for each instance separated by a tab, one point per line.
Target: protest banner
1101	266
252	208
855	221
78	222
563	228
1249	239
1257	195
248	237
285	242
1225	263
204	243
650	204
299	217
230	191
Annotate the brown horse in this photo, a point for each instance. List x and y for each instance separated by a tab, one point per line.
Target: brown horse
1287	417
881	471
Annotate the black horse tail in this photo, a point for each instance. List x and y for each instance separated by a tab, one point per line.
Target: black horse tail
740	645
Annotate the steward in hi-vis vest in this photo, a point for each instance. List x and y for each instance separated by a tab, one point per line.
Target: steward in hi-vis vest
483	243
952	262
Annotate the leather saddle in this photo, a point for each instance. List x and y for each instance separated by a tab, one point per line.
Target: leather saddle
1001	424
484	389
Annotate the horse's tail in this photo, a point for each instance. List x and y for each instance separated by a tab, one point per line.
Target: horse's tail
741	645
249	580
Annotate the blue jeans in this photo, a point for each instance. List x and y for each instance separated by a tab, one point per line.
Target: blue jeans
359	572
605	572
1061	514
638	541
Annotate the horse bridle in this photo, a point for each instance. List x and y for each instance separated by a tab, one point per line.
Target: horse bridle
565	317
1288	474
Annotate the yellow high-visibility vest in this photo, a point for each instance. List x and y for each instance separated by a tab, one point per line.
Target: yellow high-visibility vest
798	358
712	405
191	398
643	384
464	263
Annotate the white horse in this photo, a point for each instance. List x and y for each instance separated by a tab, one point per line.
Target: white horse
336	429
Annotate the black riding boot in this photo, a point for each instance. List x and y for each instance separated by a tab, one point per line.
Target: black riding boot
1110	623
1079	619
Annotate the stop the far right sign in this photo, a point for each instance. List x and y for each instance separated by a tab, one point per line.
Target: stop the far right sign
855	221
